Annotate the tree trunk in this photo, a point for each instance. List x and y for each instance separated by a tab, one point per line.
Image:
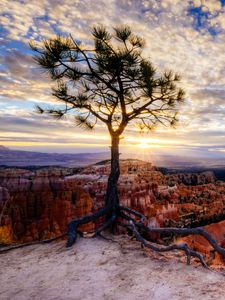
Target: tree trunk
112	198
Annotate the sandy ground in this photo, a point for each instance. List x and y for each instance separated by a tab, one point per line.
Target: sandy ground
99	269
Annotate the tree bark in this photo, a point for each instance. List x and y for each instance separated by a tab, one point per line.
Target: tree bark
112	198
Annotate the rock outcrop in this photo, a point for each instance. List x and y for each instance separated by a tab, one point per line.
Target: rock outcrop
6	228
191	179
39	204
200	244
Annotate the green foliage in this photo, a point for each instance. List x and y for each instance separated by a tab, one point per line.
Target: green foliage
110	82
83	122
100	33
123	33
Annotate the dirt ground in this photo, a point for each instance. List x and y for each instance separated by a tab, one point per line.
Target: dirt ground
100	269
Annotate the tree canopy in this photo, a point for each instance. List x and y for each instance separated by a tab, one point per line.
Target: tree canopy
108	81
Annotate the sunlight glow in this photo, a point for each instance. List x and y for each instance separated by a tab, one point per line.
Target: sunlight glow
144	144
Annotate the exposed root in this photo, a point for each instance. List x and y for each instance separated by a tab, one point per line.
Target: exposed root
133	212
73	225
186	231
179	231
183	247
17	246
105	225
72	231
135	223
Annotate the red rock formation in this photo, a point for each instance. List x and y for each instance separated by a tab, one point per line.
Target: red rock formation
43	202
198	243
41	206
191	178
6	231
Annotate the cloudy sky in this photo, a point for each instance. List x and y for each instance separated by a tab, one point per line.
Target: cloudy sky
185	36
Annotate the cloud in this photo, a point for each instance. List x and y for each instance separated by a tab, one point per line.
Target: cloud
186	36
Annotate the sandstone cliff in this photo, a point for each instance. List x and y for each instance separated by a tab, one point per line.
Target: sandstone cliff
39	205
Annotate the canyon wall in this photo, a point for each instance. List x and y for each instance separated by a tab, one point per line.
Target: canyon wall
39	205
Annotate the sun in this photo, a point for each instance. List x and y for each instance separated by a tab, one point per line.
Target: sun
144	144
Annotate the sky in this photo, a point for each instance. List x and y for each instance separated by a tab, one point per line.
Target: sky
185	36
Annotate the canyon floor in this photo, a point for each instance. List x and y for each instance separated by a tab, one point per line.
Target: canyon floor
100	269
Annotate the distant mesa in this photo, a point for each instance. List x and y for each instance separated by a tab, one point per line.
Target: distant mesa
3	148
20	158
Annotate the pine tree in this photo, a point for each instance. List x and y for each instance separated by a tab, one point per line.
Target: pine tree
112	83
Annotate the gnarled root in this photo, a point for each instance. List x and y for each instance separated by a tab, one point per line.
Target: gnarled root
139	227
73	225
17	246
135	223
183	247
